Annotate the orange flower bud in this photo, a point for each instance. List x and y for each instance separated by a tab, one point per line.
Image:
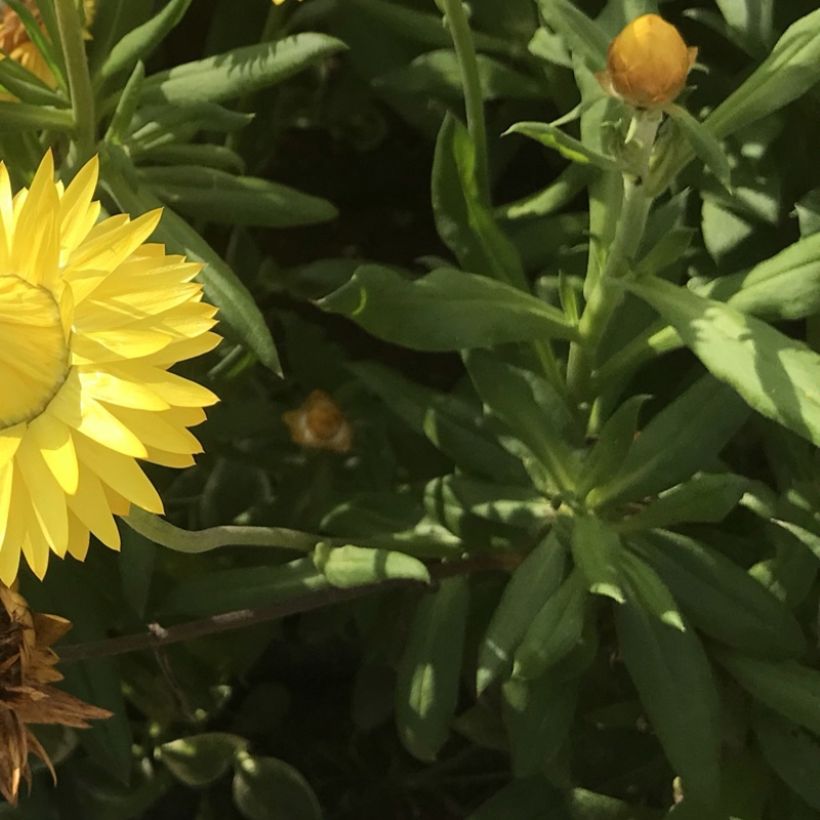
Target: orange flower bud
319	424
647	63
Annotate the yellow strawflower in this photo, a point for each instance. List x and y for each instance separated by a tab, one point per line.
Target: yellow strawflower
647	63
91	318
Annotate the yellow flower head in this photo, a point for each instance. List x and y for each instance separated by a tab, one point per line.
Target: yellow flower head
27	670
647	63
91	318
319	424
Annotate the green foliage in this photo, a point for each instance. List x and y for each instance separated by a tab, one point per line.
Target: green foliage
567	567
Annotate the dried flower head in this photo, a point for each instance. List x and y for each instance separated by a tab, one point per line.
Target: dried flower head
27	670
647	63
16	44
91	320
320	424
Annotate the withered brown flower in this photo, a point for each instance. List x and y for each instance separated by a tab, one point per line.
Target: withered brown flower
27	670
320	424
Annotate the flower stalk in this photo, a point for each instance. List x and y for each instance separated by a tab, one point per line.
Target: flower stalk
79	79
603	299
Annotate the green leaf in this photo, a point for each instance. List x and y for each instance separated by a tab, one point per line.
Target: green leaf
705	144
157	126
451	424
532	583
201	759
140	42
792	753
244	588
20	116
538	715
596	548
265	788
786	286
520	507
239	72
203	154
28	87
444	310
126	108
719	597
443	504
808	213
551	199
439	73
778	376
581	34
672	675
430	669
464	222
791	69
223	287
424	27
613	444
532	410
555	630
648	590
706	498
349	566
787	687
686	435
217	196
567	146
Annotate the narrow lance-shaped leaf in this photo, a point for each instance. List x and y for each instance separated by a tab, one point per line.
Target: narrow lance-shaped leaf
596	548
554	630
448	422
673	677
705	498
679	440
787	687
792	753
444	310
530	586
567	146
720	598
464	222
532	410
240	71
430	668
778	376
350	566
141	41
613	444
538	715
704	143
217	196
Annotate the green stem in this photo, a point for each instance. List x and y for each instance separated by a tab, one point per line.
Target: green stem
473	99
79	78
167	535
603	299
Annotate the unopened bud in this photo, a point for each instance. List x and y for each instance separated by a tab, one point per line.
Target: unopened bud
647	63
319	424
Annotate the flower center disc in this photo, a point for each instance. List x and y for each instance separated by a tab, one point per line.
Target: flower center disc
33	350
